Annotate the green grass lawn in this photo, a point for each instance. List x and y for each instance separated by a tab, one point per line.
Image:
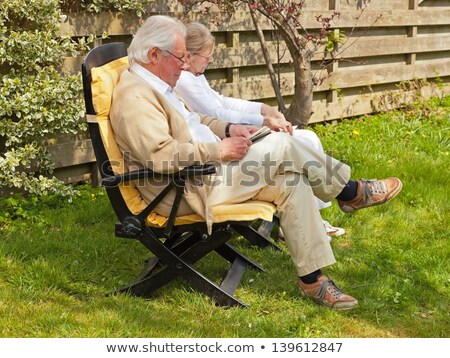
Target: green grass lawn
59	260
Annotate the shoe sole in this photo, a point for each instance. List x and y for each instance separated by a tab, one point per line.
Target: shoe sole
336	232
349	209
339	306
342	306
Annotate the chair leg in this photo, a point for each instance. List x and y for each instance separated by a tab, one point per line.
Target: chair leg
154	262
204	285
149	284
265	228
230	254
149	266
254	237
234	276
149	281
222	295
182	266
188	240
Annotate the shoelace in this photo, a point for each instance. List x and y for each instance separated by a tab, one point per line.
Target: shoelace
371	187
333	289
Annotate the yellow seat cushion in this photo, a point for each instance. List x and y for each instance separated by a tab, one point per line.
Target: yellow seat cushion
247	211
104	79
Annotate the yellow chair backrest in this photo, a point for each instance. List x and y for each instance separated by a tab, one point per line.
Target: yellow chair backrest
104	79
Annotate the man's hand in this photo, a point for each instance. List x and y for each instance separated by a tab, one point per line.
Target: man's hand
238	130
234	148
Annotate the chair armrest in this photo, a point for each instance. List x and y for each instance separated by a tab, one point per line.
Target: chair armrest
206	169
112	181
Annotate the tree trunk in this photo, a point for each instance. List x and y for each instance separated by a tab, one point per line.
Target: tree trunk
265	50
300	110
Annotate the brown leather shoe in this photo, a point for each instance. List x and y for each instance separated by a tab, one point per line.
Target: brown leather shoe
327	293
372	192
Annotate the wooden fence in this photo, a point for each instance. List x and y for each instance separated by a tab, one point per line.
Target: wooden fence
389	47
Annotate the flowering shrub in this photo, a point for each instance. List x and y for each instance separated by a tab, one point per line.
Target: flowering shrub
36	99
136	6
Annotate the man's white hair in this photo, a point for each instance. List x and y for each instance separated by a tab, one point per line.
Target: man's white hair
157	31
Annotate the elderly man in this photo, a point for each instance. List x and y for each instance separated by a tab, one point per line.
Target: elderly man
154	128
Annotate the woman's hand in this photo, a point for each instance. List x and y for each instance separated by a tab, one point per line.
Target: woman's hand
275	120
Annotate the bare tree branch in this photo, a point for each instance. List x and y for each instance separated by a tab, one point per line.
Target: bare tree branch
269	65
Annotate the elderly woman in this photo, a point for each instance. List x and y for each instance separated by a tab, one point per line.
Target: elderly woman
193	87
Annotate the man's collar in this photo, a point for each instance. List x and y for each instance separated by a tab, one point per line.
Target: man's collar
153	80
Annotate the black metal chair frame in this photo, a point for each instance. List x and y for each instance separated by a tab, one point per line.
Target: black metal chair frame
175	247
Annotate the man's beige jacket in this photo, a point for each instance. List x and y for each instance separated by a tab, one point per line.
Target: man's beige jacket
151	133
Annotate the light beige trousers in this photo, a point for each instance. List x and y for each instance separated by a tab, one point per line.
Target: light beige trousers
290	174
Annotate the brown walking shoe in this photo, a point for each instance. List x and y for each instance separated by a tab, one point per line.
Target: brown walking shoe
372	192
327	293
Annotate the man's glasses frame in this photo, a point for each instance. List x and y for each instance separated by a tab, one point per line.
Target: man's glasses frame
183	59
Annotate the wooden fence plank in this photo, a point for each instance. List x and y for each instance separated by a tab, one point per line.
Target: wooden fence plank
249	54
75	174
366	103
126	24
72	153
255	89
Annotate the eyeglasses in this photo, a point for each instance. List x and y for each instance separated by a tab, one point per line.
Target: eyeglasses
181	59
209	57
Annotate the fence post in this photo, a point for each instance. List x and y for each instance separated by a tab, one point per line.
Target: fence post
233	72
412	32
332	95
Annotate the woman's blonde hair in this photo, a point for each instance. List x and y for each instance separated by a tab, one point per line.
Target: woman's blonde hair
198	38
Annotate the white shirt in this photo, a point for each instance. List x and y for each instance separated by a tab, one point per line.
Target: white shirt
197	93
199	132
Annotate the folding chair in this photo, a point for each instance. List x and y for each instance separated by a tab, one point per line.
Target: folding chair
177	242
